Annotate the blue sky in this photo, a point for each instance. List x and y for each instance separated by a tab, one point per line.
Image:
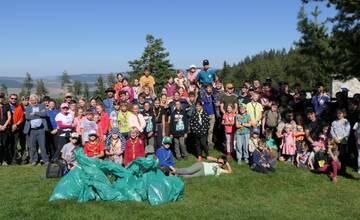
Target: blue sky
86	36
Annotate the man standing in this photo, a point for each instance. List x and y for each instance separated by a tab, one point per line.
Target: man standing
320	100
228	98
17	125
205	77
147	80
35	126
109	101
5	119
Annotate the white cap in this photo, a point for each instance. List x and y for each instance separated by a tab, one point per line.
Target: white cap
192	66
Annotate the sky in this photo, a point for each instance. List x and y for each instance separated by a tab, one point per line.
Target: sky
91	36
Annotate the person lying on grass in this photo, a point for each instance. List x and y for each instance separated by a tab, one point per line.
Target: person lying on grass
68	151
94	147
165	157
215	167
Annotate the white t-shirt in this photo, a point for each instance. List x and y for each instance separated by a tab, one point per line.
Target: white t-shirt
65	119
212	169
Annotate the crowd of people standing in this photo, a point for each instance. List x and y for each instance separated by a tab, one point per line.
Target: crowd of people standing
259	124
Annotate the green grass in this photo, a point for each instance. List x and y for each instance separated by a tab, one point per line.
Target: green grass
290	193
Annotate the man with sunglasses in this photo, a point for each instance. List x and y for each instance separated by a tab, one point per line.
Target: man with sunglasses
17	124
228	98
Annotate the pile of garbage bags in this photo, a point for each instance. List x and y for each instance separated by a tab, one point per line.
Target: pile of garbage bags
95	179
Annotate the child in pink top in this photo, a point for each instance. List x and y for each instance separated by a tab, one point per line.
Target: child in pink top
170	87
229	121
288	144
80	116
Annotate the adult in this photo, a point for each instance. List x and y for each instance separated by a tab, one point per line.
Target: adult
35	126
228	98
244	96
136	119
65	126
68	98
5	120
313	127
17	125
257	86
286	100
51	135
205	76
109	101
147	79
320	100
136	87
103	122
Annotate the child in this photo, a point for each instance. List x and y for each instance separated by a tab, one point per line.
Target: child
332	164
150	127
94	147
261	160
288	144
148	95
192	104
170	87
115	146
68	151
271	118
87	125
340	131
229	122
123	120
80	116
243	125
103	122
114	115
254	141
136	87
179	130
302	156
180	80
165	156
134	147
299	138
199	124
271	146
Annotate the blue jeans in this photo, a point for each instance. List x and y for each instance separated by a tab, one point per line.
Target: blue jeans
242	146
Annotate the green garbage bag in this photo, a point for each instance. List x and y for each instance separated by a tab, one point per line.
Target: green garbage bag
142	180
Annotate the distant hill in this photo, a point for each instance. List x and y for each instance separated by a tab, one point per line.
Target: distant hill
11	82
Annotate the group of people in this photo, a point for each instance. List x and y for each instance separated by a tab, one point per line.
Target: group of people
258	125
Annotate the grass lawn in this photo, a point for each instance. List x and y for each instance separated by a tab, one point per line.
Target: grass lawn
290	193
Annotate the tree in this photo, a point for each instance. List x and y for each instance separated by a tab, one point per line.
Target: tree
41	90
4	89
100	87
86	93
65	80
27	85
77	87
154	57
345	37
111	80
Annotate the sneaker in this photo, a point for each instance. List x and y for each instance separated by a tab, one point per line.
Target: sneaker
358	171
4	163
33	163
247	161
239	162
46	163
199	158
178	158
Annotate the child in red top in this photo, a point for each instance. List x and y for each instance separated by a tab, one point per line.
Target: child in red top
103	122
229	121
94	147
134	146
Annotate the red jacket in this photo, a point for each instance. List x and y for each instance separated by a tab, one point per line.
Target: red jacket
18	115
93	149
133	150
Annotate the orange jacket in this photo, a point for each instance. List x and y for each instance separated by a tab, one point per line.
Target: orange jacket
18	115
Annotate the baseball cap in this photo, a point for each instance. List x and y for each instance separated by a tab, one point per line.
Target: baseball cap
68	95
64	105
205	62
167	140
92	133
256	131
229	86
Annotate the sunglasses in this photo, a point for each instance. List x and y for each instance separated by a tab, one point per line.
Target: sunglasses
68	97
13	98
65	108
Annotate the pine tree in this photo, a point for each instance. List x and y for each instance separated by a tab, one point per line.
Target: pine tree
77	87
111	80
154	57
27	85
41	90
65	80
85	92
100	87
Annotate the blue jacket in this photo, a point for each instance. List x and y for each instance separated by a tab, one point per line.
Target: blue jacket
259	158
109	105
165	157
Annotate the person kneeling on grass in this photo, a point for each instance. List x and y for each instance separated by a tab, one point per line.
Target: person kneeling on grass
261	160
216	167
332	164
165	157
68	151
94	147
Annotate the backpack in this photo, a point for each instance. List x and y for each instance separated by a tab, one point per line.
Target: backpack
56	169
272	118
